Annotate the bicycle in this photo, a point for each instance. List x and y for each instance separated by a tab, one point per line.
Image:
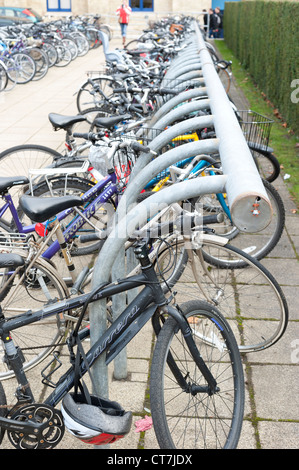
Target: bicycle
96	201
218	271
214	373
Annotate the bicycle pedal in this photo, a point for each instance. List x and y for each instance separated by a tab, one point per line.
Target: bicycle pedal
53	365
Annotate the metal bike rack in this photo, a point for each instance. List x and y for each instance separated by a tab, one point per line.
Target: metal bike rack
240	180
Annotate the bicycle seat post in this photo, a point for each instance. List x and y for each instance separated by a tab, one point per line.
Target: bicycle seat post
54	222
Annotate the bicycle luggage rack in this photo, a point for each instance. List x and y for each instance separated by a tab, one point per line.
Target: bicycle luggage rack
13	241
240	180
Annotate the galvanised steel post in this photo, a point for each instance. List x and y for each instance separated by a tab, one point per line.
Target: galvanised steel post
240	181
244	185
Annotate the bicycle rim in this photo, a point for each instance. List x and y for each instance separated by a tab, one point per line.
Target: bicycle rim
26	67
248	296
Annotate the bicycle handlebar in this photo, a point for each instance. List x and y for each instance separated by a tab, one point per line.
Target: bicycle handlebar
156	90
182	224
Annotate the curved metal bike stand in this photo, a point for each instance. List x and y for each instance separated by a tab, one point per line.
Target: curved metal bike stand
240	180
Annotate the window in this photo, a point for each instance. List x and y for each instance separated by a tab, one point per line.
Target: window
59	5
142	5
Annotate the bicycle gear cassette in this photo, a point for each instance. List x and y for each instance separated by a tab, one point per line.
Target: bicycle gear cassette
41	427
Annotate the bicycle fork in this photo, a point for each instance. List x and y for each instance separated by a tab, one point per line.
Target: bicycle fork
141	252
211	387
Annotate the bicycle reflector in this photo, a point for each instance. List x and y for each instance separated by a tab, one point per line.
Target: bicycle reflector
41	230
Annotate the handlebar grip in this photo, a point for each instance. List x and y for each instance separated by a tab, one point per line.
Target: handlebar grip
93	237
213	219
86	135
139	147
119	90
167	91
80	135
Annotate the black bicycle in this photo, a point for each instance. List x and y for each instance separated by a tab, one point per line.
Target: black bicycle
196	381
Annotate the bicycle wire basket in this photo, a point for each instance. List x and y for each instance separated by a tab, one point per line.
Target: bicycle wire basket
256	127
13	241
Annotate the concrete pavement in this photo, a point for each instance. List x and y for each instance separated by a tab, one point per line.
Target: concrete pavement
272	376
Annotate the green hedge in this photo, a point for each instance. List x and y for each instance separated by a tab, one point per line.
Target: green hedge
264	37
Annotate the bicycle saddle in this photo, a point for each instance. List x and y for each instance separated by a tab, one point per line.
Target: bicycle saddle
40	209
59	121
109	122
7	182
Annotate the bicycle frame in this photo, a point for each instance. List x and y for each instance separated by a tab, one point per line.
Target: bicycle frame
149	303
156	183
106	187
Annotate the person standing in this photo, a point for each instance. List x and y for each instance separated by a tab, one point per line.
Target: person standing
123	12
218	21
212	23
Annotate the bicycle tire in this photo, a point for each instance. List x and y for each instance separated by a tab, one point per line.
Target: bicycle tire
51	53
41	285
106	29
225	78
3	77
70	44
133	45
11	70
75	186
247	294
64	56
3	410
183	418
258	244
26	67
81	43
41	61
92	38
266	163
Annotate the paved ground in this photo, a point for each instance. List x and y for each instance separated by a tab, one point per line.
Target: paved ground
272	377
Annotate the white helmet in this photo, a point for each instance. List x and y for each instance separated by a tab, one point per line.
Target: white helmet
101	422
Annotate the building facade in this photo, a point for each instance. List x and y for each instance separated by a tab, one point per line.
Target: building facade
150	8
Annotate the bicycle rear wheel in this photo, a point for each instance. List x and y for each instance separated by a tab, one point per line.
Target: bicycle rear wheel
38	286
51	53
186	416
3	77
22	158
245	292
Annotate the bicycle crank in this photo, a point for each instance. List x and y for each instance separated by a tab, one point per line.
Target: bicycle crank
38	426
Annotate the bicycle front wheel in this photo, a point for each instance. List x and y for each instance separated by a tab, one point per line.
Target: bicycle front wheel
185	415
25	65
